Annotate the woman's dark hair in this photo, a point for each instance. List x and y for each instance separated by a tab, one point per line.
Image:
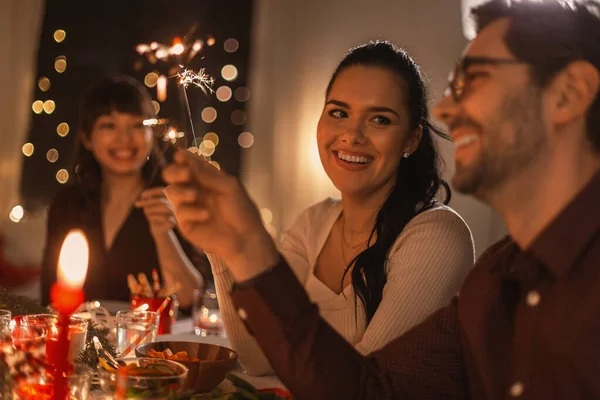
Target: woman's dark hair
548	36
118	93
418	177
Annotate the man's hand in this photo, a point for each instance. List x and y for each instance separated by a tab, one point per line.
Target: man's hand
215	213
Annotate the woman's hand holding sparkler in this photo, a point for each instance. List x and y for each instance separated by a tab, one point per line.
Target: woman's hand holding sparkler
215	213
158	210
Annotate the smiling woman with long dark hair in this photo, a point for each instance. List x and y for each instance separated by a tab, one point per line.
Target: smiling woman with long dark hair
381	259
116	197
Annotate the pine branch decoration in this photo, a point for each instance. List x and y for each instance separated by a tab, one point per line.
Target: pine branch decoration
88	355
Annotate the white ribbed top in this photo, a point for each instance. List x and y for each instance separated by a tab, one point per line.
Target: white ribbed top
426	267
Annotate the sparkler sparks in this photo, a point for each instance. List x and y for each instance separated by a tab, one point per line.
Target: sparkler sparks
200	79
179	52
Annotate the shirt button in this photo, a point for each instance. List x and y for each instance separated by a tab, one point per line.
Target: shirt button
243	314
516	389
533	298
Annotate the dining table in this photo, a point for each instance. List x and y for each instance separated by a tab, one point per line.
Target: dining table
182	330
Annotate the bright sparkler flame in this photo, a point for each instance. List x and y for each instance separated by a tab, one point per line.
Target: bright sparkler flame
200	79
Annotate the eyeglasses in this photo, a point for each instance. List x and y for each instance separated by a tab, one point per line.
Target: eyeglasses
457	84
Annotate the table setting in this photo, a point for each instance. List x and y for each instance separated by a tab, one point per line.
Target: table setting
77	349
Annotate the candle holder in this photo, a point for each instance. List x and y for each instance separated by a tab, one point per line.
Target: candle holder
42	387
206	314
48	323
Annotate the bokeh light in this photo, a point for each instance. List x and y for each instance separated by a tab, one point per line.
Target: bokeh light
207	148
242	94
209	114
59	35
231	45
62	129
49	106
238	117
150	79
52	155
229	72
37	106
16	214
60	64
246	140
27	149
224	93
44	84
62	176
213	137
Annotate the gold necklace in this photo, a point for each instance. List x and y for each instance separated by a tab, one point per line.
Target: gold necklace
344	237
344	244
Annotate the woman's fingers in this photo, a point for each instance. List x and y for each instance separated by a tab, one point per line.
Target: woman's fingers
155	192
182	194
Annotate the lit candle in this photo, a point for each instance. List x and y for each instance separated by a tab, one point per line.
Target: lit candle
67	294
161	88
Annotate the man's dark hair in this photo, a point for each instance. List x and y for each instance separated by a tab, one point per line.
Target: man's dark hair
548	36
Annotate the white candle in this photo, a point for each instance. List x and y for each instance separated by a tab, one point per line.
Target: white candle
161	88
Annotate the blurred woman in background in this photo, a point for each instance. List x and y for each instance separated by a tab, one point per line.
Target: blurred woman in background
117	200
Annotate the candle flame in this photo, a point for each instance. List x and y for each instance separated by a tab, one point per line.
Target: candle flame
73	260
213	318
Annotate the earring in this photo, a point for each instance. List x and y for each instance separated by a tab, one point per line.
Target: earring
406	155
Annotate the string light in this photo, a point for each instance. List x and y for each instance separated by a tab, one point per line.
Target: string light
224	93
27	149
62	129
60	64
207	148
44	84
49	106
209	115
59	35
52	155
229	72
37	106
62	176
213	137
231	45
150	79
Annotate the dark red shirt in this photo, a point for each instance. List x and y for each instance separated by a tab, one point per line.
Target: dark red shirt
526	325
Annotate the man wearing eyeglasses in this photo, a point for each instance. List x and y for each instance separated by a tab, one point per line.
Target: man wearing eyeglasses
524	111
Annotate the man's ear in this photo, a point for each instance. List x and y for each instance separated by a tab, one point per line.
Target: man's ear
572	92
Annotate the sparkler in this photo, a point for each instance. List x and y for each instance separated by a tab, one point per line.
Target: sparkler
180	52
199	79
